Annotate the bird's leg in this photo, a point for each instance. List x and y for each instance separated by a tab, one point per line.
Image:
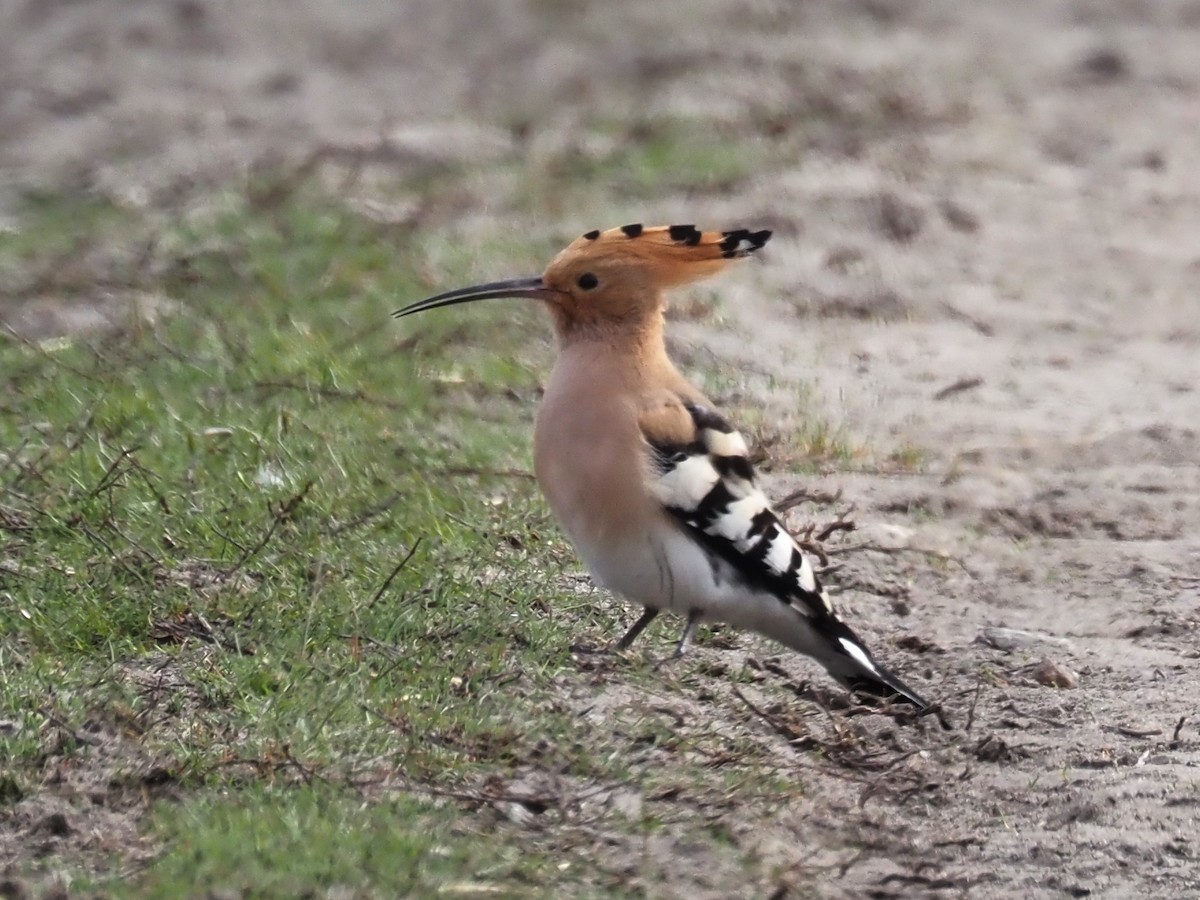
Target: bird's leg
648	616
685	639
689	629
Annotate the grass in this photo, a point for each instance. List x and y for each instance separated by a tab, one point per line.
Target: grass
664	154
267	843
279	593
250	471
639	159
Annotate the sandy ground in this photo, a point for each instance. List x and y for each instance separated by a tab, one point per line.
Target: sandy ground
986	260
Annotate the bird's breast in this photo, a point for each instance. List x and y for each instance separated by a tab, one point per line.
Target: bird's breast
590	463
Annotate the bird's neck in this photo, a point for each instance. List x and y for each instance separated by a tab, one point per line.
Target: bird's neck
629	353
630	339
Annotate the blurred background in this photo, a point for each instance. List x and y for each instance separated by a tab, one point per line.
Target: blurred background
1016	168
975	328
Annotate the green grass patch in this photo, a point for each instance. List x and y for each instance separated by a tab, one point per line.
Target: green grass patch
638	159
317	841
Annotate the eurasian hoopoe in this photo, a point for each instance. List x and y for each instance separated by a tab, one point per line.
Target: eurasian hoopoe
651	484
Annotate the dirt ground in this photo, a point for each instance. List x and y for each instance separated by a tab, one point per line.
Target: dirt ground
986	260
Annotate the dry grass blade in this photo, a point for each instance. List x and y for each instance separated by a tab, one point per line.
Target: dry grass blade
804	495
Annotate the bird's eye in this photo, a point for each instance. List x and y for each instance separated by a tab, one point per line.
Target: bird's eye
587	281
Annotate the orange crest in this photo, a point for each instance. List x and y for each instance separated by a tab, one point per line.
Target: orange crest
667	255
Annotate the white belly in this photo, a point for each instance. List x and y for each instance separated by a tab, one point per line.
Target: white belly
670	572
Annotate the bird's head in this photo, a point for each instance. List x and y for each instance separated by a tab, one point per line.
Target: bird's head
615	278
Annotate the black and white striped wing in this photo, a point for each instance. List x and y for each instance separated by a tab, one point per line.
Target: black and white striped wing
701	474
703	477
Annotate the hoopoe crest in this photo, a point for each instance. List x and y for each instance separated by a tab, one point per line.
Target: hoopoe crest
653	486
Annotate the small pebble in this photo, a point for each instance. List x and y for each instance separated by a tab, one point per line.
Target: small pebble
516	813
1051	674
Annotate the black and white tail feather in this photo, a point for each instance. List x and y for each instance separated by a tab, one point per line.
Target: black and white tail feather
707	485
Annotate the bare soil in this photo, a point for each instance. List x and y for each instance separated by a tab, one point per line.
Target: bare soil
986	264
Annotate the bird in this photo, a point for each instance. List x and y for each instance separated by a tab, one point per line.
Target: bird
653	486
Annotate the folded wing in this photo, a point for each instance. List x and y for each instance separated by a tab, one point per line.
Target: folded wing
701	474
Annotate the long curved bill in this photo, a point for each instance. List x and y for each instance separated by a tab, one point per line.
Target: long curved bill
532	288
